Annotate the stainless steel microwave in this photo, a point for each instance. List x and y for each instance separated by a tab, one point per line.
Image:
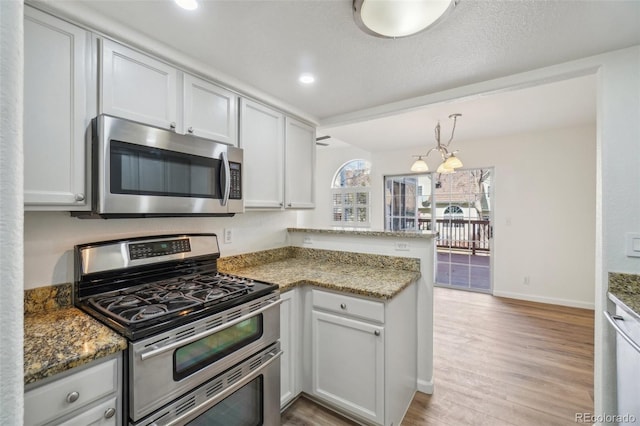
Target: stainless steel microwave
141	171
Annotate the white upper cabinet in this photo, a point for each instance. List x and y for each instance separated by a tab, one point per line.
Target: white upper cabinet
262	139
210	111
279	158
59	103
300	160
137	87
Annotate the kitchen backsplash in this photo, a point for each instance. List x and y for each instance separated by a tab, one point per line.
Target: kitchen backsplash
48	298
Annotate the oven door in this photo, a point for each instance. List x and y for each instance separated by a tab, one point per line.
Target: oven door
170	364
143	170
247	394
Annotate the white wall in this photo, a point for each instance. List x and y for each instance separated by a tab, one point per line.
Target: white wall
49	237
618	197
11	221
544	213
328	161
545	199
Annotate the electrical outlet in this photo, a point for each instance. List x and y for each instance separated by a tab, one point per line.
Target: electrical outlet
526	280
307	240
402	246
228	235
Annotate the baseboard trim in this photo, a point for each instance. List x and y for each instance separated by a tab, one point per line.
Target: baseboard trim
425	386
549	300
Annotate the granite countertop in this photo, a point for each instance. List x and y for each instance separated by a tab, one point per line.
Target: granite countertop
58	336
367	232
380	277
625	288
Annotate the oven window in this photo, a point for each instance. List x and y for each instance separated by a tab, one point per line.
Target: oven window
194	356
143	170
244	407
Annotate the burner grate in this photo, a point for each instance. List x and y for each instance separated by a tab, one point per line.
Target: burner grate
170	296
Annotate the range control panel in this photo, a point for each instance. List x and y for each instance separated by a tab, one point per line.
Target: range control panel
158	248
235	192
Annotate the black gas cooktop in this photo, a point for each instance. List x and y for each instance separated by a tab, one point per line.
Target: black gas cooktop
144	286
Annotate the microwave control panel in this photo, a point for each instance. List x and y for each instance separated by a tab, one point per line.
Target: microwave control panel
235	193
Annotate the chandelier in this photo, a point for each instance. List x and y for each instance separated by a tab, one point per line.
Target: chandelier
449	160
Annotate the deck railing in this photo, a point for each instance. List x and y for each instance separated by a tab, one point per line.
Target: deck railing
464	234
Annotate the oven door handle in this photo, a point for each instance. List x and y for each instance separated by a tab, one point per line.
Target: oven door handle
225	393
613	320
157	351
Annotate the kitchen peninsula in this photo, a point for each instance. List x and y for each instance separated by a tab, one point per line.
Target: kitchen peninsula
356	318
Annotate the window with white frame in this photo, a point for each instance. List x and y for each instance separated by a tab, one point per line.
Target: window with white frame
351	194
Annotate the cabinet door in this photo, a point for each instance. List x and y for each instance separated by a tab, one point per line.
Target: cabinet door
53	400
300	161
137	87
289	345
262	138
210	111
348	364
104	414
57	112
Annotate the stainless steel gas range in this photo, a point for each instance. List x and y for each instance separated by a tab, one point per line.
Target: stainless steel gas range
203	346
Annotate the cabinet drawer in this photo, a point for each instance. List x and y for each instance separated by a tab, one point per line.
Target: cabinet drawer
347	305
50	401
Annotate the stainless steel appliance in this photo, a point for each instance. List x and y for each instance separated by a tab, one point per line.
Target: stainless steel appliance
203	346
140	171
626	323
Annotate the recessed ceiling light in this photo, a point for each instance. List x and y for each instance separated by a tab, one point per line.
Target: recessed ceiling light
187	4
306	78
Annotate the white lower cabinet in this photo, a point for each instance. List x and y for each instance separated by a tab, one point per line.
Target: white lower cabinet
101	415
290	345
363	354
348	364
88	395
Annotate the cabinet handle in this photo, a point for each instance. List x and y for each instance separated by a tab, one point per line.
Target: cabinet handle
109	412
173	125
190	130
80	197
376	332
281	204
343	306
72	397
289	205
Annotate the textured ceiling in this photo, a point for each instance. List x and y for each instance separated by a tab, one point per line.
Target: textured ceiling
267	44
555	105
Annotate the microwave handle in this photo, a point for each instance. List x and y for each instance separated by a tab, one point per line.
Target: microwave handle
227	178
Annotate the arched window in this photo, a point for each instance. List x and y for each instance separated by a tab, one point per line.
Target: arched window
454	212
350	194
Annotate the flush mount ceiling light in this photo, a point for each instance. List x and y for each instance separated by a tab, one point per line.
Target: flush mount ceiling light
449	160
187	4
399	18
306	78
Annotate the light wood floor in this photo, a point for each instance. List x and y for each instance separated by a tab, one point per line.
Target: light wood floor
496	362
